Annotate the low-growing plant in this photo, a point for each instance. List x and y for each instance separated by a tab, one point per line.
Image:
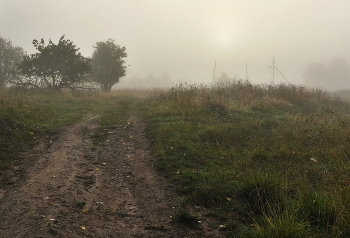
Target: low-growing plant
320	209
262	190
81	204
183	216
279	225
52	230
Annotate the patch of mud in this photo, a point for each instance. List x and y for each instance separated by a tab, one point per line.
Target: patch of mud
69	190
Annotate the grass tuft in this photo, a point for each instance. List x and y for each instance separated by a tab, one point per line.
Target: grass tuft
279	225
262	191
185	217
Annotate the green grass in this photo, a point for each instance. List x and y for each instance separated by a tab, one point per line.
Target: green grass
185	217
117	113
265	160
25	117
259	151
278	225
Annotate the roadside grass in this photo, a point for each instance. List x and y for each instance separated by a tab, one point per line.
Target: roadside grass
25	117
270	160
185	217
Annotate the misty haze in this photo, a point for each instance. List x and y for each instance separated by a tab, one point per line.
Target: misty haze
175	118
180	41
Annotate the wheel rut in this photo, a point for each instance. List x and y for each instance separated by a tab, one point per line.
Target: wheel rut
67	187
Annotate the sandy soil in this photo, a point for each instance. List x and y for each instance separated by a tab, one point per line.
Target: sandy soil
64	188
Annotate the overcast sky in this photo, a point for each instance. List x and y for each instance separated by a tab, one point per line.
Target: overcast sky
185	37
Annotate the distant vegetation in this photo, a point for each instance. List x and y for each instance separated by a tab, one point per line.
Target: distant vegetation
332	76
10	56
53	67
263	160
344	94
108	64
61	66
150	81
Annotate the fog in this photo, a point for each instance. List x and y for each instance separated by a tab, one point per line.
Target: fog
180	40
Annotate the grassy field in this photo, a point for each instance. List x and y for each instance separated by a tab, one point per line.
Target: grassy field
269	161
264	160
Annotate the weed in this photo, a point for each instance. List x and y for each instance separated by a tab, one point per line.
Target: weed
52	230
319	208
262	190
88	170
185	217
279	225
81	204
4	165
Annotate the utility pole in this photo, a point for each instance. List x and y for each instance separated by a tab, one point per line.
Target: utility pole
246	70
214	72
273	70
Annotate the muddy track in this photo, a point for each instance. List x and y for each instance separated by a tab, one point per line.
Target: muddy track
64	188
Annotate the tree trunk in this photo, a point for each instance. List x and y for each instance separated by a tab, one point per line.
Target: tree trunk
105	87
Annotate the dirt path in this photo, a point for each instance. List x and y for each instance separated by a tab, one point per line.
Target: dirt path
69	190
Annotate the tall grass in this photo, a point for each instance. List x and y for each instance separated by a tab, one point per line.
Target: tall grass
261	151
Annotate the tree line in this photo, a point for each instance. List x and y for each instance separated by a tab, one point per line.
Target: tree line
61	65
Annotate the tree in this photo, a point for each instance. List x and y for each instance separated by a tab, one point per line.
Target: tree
54	67
10	56
108	64
150	81
223	78
334	76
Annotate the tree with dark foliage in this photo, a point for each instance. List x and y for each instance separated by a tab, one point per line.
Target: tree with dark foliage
54	67
108	64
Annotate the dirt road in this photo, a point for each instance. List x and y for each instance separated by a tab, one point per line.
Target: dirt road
66	188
